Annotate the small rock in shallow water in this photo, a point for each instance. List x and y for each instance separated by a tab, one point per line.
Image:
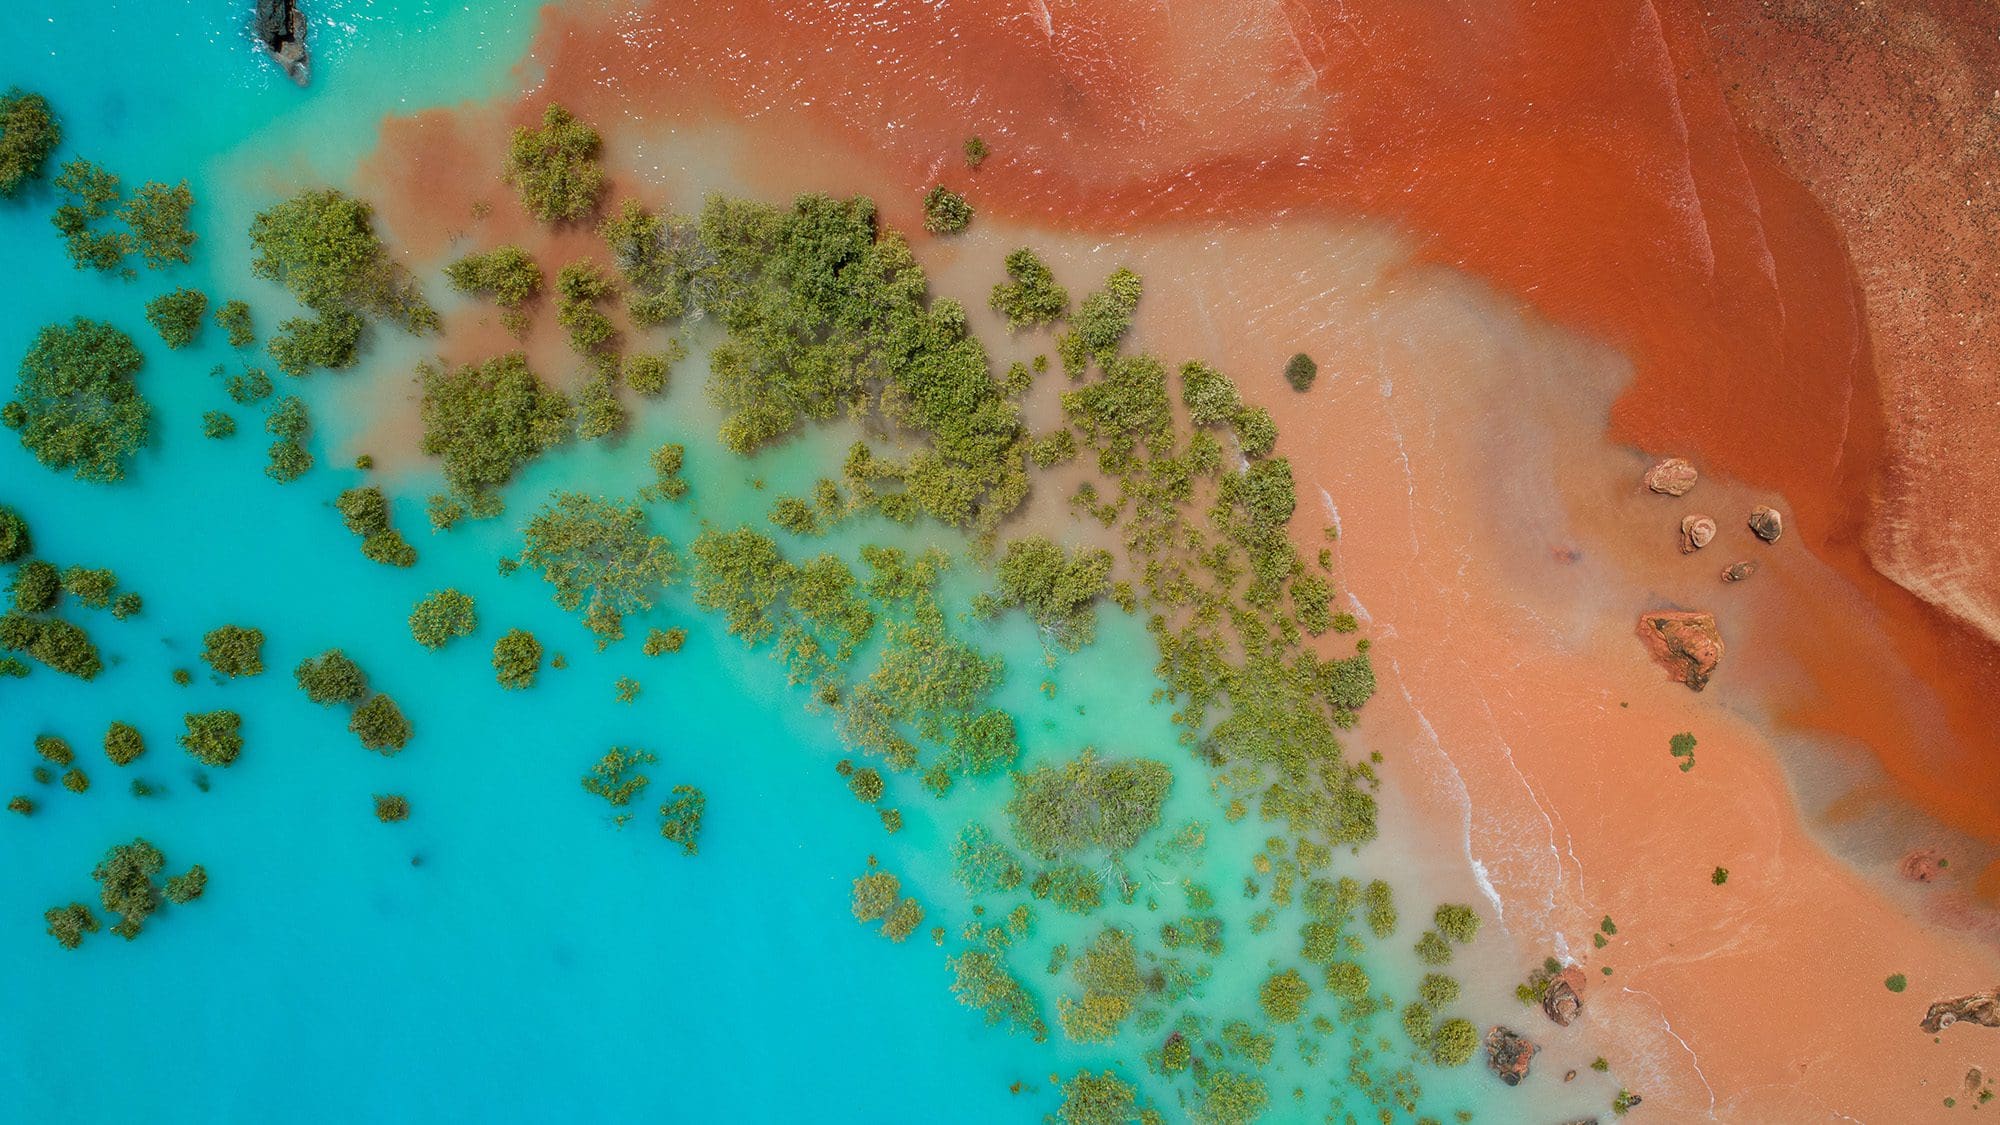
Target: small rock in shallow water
1508	1054
1563	1001
1696	531
1674	476
1767	523
280	28
1738	571
1921	866
1686	644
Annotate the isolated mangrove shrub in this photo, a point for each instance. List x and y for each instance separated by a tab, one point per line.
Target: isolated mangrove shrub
600	557
29	132
1030	296
1457	922
616	778
555	167
123	744
233	317
681	816
442	616
487	421
75	404
391	808
1058	589
365	511
1454	1042
331	677
15	542
213	738
517	659
506	273
322	247
380	725
1087	803
234	650
945	211
178	316
1300	371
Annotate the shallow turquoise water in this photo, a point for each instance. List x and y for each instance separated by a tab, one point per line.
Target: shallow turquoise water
538	963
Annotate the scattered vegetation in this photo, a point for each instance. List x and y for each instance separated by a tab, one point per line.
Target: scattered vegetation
391	808
616	777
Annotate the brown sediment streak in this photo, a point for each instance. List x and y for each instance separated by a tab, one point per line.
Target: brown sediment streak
1582	157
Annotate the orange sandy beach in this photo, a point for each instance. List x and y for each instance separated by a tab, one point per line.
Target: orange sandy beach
1465	220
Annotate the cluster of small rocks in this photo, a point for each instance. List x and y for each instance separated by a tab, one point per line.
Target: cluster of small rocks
1676	477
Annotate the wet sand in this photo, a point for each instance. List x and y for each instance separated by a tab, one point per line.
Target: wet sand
1518	320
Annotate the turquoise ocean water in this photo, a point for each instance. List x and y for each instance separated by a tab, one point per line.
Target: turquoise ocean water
508	954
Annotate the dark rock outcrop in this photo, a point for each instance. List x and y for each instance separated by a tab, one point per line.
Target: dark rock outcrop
1767	524
1696	531
1738	571
1686	644
1982	1008
1508	1054
1563	1001
280	28
1672	477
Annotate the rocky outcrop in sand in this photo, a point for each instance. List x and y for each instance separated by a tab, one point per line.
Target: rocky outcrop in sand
1563	1001
1696	533
1738	571
1686	644
1672	477
1767	524
1982	1008
1508	1054
280	28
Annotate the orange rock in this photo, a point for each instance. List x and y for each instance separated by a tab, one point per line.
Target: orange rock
1674	476
1686	644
